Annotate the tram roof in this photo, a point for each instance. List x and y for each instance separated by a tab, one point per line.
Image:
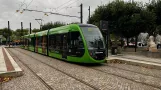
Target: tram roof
62	29
25	36
86	25
42	33
32	35
67	28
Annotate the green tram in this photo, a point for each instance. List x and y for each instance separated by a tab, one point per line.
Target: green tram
82	43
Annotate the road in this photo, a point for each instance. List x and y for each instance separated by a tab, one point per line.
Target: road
46	73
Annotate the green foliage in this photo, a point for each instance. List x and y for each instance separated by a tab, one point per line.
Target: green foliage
18	33
158	29
155	7
35	30
125	18
52	25
5	32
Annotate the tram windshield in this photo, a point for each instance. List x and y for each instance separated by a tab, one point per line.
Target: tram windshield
93	37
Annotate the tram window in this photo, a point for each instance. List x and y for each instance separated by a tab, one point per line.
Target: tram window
52	42
55	43
39	43
44	41
31	41
26	42
58	43
75	44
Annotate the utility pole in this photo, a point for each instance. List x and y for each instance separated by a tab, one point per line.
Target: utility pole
89	15
21	28
104	28
30	27
9	33
81	13
22	33
39	23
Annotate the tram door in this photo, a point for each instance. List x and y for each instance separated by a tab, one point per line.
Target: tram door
44	45
36	46
64	46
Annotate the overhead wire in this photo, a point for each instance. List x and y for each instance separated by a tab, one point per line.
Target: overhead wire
64	4
29	4
68	5
66	8
22	3
51	13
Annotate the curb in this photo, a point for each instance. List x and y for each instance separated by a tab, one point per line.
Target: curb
11	74
149	65
15	72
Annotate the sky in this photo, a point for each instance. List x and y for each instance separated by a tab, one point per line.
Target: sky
71	7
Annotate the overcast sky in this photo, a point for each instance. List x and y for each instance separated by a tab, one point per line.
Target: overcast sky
8	11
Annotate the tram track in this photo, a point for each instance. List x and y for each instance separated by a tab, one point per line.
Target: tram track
38	77
155	86
131	71
95	88
138	59
106	65
100	71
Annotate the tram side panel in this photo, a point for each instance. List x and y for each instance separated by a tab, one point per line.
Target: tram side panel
31	43
41	45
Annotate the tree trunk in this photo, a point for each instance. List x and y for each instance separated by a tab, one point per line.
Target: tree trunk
127	42
136	40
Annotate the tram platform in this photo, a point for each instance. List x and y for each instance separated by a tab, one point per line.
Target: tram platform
154	63
8	66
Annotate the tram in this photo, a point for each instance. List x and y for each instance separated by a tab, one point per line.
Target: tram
81	43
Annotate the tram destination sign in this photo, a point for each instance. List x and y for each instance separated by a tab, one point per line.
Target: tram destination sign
104	25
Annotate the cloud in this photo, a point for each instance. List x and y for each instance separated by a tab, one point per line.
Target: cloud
8	11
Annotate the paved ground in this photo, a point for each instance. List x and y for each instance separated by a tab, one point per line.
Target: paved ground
141	58
42	72
8	67
7	64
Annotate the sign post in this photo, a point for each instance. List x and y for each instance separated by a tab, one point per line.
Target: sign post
104	28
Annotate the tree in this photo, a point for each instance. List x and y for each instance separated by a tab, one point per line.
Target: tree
158	29
19	33
52	25
5	32
118	14
35	30
125	18
155	7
